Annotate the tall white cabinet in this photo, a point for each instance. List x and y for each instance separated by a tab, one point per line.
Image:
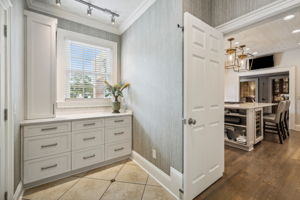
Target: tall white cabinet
40	66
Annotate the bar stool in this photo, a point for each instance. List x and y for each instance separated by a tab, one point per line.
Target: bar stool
286	117
274	123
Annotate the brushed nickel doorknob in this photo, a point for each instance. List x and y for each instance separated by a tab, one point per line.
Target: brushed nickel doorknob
192	121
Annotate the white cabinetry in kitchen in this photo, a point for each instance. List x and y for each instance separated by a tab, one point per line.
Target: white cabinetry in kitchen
60	146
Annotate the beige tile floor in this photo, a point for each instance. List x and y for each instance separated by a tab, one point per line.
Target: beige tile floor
121	181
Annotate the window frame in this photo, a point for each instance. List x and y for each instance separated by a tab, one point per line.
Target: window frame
62	36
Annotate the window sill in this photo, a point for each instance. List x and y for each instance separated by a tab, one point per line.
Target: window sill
83	103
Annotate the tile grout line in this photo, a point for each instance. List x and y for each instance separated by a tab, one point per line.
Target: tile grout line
69	189
112	182
117	181
145	187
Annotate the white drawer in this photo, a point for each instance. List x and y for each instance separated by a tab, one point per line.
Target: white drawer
118	121
40	146
87	138
45	129
117	134
87	124
117	150
87	157
38	169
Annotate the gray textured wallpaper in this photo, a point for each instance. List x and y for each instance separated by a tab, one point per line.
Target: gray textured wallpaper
199	8
226	10
152	64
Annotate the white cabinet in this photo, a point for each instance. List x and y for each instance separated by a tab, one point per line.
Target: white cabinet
52	148
40	66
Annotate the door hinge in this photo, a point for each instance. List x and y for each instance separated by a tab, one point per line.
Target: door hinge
181	27
5	196
5	30
5	114
181	192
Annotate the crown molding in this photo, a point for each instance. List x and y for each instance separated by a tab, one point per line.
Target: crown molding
52	10
137	13
5	4
257	15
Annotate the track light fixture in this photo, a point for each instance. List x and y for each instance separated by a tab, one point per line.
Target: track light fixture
91	6
113	19
89	11
58	3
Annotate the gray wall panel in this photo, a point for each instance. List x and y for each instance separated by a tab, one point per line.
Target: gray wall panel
199	8
152	64
226	10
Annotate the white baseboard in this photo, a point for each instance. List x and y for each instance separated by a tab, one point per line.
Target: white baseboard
19	192
297	127
171	183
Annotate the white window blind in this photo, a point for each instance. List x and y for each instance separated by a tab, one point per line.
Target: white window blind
86	68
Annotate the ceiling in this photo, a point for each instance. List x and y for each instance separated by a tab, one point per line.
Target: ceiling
127	9
270	36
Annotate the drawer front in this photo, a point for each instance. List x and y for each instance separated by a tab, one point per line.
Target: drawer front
88	138
39	169
87	124
88	157
118	121
40	146
46	129
117	134
117	150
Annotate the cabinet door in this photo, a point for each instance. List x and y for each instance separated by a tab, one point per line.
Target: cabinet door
41	65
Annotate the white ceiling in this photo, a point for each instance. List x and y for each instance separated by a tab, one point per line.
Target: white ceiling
127	9
270	36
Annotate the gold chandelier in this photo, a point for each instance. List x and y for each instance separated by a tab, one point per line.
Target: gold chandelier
237	58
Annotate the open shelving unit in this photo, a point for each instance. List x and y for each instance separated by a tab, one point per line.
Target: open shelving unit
243	128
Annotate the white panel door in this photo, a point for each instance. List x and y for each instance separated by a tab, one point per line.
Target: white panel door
41	66
203	106
3	149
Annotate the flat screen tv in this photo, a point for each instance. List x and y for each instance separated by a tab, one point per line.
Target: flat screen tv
262	62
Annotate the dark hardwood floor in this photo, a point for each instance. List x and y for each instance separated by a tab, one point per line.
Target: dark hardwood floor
270	172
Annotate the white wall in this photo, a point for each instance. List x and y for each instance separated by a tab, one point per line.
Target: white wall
286	59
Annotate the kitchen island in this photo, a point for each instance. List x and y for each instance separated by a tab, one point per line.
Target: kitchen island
244	124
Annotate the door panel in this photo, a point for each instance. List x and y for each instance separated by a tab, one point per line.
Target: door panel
203	102
3	150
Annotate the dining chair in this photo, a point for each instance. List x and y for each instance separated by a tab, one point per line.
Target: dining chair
274	123
286	117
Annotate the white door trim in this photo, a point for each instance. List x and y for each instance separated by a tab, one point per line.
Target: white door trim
257	15
9	129
292	85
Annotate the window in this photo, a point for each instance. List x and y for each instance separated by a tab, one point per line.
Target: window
87	68
84	63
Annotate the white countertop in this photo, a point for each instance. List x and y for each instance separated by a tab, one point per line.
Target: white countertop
249	105
61	118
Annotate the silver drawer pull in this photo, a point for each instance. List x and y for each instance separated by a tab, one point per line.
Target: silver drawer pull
90	124
88	157
119	149
49	145
90	138
49	129
49	167
119	133
120	120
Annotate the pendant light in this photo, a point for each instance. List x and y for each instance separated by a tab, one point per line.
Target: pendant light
237	58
